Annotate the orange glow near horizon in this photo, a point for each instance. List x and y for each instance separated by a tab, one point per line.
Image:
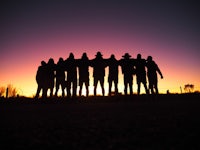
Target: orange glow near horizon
177	73
25	82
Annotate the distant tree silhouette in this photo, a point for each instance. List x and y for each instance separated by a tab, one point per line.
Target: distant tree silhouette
188	88
12	91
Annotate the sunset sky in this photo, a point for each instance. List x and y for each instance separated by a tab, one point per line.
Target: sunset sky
32	31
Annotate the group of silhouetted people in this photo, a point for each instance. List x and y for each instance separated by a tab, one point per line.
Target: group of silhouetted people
70	73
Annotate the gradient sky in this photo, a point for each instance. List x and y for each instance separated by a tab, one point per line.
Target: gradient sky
32	31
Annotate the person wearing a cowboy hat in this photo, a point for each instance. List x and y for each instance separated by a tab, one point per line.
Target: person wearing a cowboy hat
152	69
83	70
127	66
99	65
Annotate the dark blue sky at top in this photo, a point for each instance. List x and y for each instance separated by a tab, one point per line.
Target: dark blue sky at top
165	19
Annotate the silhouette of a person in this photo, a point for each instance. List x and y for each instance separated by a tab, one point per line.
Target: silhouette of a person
40	79
71	65
83	69
50	76
60	77
98	64
127	66
112	63
152	69
140	65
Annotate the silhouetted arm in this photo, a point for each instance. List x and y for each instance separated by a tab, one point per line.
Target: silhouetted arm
158	70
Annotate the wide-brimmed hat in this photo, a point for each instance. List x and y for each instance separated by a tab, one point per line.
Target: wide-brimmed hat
98	54
126	55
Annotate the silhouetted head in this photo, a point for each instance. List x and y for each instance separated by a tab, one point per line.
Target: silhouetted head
61	59
139	56
51	61
84	56
126	56
98	55
149	58
71	56
112	56
43	63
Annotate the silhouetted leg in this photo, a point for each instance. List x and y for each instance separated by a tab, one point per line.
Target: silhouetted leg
151	89
57	88
95	90
116	88
125	88
63	91
95	87
102	86
68	89
138	90
44	92
103	91
51	92
146	90
39	88
110	86
80	90
87	90
156	88
56	92
74	88
131	88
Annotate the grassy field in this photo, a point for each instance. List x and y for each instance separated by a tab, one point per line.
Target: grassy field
121	122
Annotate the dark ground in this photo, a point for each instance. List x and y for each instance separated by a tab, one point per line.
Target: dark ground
136	122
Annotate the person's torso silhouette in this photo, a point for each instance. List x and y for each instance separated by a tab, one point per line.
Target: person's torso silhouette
140	70
41	79
127	66
51	67
71	67
60	76
98	65
113	71
83	69
152	69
